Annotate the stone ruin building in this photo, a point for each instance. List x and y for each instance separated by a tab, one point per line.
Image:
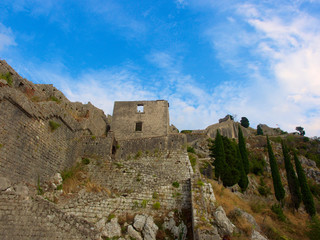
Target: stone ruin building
134	171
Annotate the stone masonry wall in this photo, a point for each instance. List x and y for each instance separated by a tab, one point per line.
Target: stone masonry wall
22	217
30	149
154	119
171	142
136	184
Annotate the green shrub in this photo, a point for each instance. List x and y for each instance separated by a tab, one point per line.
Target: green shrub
54	125
144	203
1	145
39	189
54	99
256	164
59	187
85	161
156	206
191	150
314	188
193	160
314	229
186	131
138	155
175	184
8	77
276	208
200	183
93	137
111	216
155	195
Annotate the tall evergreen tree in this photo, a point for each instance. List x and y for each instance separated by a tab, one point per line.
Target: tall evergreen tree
305	190
243	181
293	181
259	130
243	151
231	174
217	151
277	184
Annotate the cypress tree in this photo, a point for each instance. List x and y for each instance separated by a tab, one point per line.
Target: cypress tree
243	181
231	174
305	190
293	181
217	151
277	184
243	151
259	130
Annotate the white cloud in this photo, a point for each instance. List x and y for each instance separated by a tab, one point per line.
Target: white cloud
6	37
278	49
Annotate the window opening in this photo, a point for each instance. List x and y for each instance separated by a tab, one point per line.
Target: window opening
140	108
138	126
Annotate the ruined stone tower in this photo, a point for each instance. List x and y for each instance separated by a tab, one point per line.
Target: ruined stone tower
140	119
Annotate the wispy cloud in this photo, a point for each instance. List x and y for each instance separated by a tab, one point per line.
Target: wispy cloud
6	37
278	53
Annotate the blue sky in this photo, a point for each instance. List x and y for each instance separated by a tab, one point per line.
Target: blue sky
259	59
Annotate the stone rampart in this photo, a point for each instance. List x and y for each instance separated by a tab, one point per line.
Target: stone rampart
22	217
171	142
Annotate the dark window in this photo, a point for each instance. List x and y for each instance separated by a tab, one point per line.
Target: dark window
139	126
140	108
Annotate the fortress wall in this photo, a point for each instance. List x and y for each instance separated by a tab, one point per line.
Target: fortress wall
147	178
95	146
171	142
30	149
194	136
23	217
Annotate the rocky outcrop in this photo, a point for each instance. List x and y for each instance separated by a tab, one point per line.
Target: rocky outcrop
225	226
257	236
227	128
180	231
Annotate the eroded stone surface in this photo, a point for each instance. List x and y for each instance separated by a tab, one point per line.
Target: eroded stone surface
225	226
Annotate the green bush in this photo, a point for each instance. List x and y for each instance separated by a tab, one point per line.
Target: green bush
314	229
8	77
193	160
175	184
54	99
155	195
200	183
314	188
85	161
111	216
191	150
256	164
59	187
276	208
144	203
156	206
138	155
54	125
186	131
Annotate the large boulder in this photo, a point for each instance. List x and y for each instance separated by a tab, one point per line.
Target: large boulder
133	233
150	229
225	226
139	222
257	236
112	229
4	184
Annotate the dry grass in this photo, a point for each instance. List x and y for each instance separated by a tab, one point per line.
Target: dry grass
227	199
294	228
76	178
